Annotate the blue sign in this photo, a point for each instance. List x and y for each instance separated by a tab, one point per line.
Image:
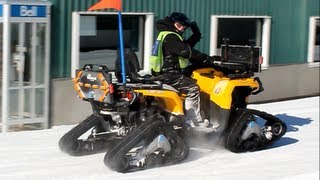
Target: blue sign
28	11
1	7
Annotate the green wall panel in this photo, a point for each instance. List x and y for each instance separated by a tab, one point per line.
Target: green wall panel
289	29
61	34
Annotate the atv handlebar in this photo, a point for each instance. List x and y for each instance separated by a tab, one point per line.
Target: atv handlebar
231	69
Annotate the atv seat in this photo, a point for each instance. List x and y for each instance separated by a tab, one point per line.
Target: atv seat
132	67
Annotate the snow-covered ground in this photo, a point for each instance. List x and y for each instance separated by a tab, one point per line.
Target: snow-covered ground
35	154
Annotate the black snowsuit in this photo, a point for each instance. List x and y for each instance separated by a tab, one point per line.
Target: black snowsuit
173	47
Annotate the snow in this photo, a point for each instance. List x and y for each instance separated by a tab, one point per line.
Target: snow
35	154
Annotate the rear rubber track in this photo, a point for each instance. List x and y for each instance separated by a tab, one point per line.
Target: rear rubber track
70	144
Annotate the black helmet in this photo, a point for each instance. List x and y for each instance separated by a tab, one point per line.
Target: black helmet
180	17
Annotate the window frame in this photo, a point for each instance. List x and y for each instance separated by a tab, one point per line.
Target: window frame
75	39
311	41
265	31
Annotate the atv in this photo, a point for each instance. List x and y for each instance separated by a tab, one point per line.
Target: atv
140	124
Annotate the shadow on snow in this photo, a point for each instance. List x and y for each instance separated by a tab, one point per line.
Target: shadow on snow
293	125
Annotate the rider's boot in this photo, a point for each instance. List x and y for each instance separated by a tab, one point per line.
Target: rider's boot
204	123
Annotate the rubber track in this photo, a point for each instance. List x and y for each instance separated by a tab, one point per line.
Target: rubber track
113	158
241	120
70	144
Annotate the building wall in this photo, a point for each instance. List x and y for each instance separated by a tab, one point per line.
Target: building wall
288	76
280	82
61	34
289	33
290	28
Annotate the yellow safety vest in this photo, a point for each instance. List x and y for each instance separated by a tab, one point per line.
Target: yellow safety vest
156	60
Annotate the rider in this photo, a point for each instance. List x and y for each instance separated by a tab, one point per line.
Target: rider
171	55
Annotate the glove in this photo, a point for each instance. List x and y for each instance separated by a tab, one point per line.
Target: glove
196	35
216	58
194	28
207	61
212	60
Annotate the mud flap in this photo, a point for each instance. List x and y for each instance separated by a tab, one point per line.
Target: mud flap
233	135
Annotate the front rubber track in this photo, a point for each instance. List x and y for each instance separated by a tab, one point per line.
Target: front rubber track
233	141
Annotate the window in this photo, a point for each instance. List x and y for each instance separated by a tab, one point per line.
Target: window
96	37
240	30
314	40
100	46
246	30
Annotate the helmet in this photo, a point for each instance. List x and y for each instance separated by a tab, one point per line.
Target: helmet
180	17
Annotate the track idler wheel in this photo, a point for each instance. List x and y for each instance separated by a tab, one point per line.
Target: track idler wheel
276	129
121	164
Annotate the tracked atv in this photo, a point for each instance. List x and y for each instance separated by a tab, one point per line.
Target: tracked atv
140	124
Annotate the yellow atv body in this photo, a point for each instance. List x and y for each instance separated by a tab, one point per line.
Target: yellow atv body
141	123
